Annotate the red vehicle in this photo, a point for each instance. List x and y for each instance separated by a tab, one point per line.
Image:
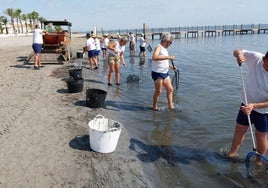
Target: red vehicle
58	38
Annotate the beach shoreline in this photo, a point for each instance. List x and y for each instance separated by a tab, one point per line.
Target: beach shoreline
44	132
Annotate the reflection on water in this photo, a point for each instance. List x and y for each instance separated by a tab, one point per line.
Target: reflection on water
186	146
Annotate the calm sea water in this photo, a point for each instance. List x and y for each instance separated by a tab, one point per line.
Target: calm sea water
187	146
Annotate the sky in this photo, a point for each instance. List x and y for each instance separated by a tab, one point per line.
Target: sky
126	14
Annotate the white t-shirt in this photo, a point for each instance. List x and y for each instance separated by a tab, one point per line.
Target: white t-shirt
132	38
37	36
256	83
104	43
91	44
97	43
163	65
142	42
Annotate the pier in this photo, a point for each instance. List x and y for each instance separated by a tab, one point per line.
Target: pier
198	31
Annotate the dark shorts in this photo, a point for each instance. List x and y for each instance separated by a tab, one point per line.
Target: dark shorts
131	45
259	120
92	53
142	49
37	48
156	75
97	52
103	49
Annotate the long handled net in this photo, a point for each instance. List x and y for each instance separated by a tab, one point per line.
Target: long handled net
176	78
256	164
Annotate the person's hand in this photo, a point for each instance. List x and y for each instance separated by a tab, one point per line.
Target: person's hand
247	109
123	64
171	58
240	58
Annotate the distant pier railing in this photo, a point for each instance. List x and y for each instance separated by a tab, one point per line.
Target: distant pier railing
198	31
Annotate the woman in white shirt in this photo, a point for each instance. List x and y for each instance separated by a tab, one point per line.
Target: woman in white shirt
160	68
116	51
104	44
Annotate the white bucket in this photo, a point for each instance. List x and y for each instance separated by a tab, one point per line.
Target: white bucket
104	134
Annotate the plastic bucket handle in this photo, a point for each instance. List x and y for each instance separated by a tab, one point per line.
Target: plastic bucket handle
99	117
112	129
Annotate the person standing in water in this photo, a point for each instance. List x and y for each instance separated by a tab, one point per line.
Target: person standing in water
143	43
132	43
104	44
160	68
257	98
116	51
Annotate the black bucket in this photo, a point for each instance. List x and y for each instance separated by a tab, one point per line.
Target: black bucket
75	85
79	54
95	98
75	73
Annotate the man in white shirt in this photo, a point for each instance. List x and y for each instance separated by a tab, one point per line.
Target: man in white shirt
256	105
143	43
37	45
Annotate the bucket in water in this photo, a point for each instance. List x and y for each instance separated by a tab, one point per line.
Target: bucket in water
95	98
75	73
75	85
104	134
79	54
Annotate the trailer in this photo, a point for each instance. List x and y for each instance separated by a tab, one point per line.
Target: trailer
58	39
56	42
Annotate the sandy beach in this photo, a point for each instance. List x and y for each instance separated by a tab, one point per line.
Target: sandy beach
44	138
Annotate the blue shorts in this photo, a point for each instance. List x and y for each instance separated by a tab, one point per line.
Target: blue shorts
92	53
37	48
142	49
156	75
259	120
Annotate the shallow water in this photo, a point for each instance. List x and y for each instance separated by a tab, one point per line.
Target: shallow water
187	146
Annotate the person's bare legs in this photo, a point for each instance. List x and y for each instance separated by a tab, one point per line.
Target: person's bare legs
238	138
111	70
117	73
91	62
169	92
158	84
261	142
37	60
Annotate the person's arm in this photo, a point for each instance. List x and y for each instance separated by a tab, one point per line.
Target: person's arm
247	109
44	32
112	46
122	58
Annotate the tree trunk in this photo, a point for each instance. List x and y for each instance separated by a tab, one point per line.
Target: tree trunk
18	25
21	26
13	25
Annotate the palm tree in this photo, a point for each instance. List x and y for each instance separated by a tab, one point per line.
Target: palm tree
29	16
41	20
10	12
24	17
1	25
17	16
3	20
34	15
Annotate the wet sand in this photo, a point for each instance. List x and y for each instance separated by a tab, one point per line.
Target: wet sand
44	133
